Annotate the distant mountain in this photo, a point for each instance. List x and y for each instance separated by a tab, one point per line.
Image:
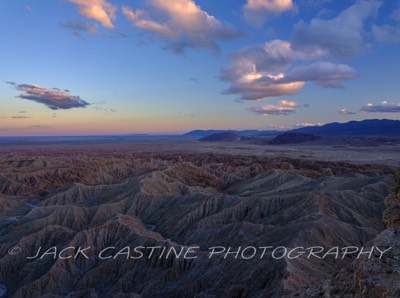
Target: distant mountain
371	127
203	133
355	128
293	138
221	137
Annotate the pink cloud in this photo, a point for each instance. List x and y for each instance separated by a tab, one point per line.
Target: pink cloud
257	11
99	10
182	24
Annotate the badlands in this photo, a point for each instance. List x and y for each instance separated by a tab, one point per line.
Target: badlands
77	219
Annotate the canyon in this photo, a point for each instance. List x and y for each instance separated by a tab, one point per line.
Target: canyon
194	196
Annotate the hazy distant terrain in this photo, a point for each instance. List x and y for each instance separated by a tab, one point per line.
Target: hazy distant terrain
174	193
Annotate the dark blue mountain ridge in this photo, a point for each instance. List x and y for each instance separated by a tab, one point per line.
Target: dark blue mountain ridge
370	127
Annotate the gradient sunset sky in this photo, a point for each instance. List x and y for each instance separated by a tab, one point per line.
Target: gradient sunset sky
78	67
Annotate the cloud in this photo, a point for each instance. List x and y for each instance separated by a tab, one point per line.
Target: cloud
382	107
51	98
278	127
21	112
274	6
15	117
396	14
322	73
269	70
255	12
284	107
97	103
20	117
99	10
40	126
306	124
78	27
183	114
344	111
313	3
386	33
182	24
105	109
342	36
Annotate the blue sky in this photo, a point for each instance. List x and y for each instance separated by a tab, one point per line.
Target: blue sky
73	67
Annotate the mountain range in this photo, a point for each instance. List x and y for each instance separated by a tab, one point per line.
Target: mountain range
369	127
355	128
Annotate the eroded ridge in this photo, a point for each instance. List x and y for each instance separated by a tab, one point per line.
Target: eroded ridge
54	200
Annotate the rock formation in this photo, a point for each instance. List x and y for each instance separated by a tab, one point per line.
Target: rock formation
378	276
104	198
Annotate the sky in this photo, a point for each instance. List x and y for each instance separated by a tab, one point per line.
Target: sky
88	67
